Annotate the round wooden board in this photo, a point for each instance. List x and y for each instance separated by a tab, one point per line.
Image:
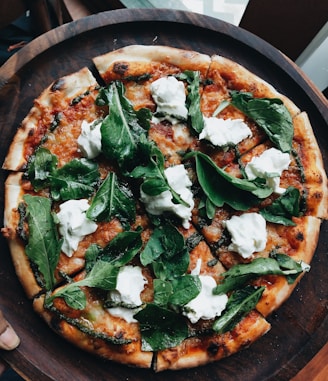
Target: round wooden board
299	327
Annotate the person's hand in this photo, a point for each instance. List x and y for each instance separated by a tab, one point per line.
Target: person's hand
8	338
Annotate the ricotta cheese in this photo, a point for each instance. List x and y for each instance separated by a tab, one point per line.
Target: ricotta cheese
89	141
170	96
248	233
269	165
130	283
178	179
73	224
206	305
223	132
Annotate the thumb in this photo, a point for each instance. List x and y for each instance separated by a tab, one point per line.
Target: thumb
8	337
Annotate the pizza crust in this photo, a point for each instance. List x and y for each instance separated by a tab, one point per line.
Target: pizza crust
69	87
13	196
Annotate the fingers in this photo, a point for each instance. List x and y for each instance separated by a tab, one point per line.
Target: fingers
8	337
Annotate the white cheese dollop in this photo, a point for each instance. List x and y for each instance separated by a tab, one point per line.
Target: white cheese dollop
269	165
178	179
130	284
206	305
248	233
223	132
89	141
73	224
170	96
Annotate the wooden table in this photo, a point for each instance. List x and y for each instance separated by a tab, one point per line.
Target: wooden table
299	327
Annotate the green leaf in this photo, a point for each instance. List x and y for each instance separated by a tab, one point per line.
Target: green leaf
160	328
165	241
240	274
222	188
120	129
76	179
193	100
103	275
270	114
240	303
184	289
290	268
162	292
122	248
43	246
42	164
170	268
283	208
113	199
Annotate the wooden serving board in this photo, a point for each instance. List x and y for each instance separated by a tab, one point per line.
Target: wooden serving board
299	327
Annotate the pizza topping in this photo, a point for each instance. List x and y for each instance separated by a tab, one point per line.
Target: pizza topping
206	305
224	132
73	224
284	208
270	114
169	95
269	165
177	178
221	187
89	140
239	304
130	283
43	246
113	199
248	233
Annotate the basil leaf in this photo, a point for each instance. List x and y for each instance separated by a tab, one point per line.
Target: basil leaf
283	208
43	247
160	328
220	187
113	199
240	303
76	179
120	129
270	114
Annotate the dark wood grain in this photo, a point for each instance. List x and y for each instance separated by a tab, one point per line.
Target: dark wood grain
299	327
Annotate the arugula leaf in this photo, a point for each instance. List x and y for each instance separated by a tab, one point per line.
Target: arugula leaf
283	208
290	268
113	199
121	129
160	328
240	274
122	248
76	179
43	246
162	292
166	251
41	165
184	289
240	303
103	275
193	99
270	114
220	187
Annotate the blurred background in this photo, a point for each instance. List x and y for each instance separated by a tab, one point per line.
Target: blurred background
299	28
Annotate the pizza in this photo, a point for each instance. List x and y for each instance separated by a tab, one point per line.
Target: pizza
158	215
